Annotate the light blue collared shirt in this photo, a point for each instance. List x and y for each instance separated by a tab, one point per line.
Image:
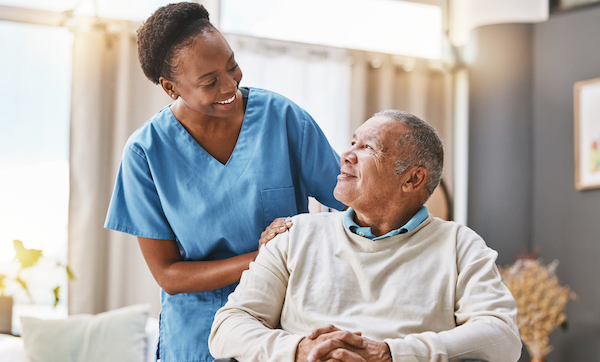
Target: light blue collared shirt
365	231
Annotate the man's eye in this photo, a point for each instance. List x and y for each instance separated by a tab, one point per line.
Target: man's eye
368	146
233	68
353	143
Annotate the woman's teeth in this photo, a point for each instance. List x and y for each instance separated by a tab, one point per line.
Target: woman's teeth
227	101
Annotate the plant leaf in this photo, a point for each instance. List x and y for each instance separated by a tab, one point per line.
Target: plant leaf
23	285
70	273
2	285
56	294
27	257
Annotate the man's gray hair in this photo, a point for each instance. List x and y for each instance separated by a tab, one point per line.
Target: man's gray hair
420	146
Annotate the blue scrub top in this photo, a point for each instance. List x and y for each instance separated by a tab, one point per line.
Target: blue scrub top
169	187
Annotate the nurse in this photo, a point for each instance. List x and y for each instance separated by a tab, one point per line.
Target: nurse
201	179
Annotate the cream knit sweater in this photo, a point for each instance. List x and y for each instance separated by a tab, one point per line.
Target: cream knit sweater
433	294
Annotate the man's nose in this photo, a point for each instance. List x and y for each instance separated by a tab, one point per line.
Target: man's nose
349	156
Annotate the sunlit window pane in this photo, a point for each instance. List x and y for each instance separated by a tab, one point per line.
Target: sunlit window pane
54	5
387	26
135	10
34	156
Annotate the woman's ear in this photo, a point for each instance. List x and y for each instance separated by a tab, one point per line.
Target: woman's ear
416	179
169	87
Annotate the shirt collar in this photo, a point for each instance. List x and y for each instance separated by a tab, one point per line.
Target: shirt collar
365	231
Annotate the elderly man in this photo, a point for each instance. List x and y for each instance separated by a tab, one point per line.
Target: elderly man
383	281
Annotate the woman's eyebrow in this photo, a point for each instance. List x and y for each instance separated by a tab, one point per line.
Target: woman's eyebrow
231	57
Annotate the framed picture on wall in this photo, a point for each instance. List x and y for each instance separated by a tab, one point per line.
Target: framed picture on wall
587	134
560	5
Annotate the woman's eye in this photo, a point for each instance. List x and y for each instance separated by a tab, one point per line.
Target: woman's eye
233	68
369	147
211	84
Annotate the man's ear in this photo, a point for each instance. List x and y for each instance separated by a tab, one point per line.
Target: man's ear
416	179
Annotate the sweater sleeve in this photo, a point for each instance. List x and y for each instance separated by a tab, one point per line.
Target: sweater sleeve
485	314
247	327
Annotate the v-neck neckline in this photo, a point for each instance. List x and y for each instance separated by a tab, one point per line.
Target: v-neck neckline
240	142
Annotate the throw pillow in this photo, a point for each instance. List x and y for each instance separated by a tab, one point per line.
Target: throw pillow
116	335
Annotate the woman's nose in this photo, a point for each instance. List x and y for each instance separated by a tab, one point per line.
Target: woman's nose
229	85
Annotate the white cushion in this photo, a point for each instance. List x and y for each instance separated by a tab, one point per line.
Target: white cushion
11	349
117	335
151	338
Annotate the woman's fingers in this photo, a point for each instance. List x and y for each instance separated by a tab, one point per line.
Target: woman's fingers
278	226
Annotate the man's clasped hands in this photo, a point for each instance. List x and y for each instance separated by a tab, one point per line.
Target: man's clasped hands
330	343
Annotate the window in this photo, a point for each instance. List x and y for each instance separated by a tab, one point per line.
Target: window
136	10
405	28
34	157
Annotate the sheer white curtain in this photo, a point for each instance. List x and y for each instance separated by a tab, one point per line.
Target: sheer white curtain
110	99
316	78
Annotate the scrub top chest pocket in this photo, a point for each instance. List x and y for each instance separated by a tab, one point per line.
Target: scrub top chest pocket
278	203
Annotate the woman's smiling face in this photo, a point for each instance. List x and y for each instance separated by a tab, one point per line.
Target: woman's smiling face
207	76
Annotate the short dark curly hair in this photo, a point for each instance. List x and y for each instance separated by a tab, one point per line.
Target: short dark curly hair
170	29
422	144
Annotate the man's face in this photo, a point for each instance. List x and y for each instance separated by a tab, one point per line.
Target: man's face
367	177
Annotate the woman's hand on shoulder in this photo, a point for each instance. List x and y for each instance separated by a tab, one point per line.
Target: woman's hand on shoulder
278	226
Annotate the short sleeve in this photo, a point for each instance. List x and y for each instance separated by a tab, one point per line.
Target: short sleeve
320	165
135	207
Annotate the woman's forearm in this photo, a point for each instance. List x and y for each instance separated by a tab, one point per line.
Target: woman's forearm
175	275
201	276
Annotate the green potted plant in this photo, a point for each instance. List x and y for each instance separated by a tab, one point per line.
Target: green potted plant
25	259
